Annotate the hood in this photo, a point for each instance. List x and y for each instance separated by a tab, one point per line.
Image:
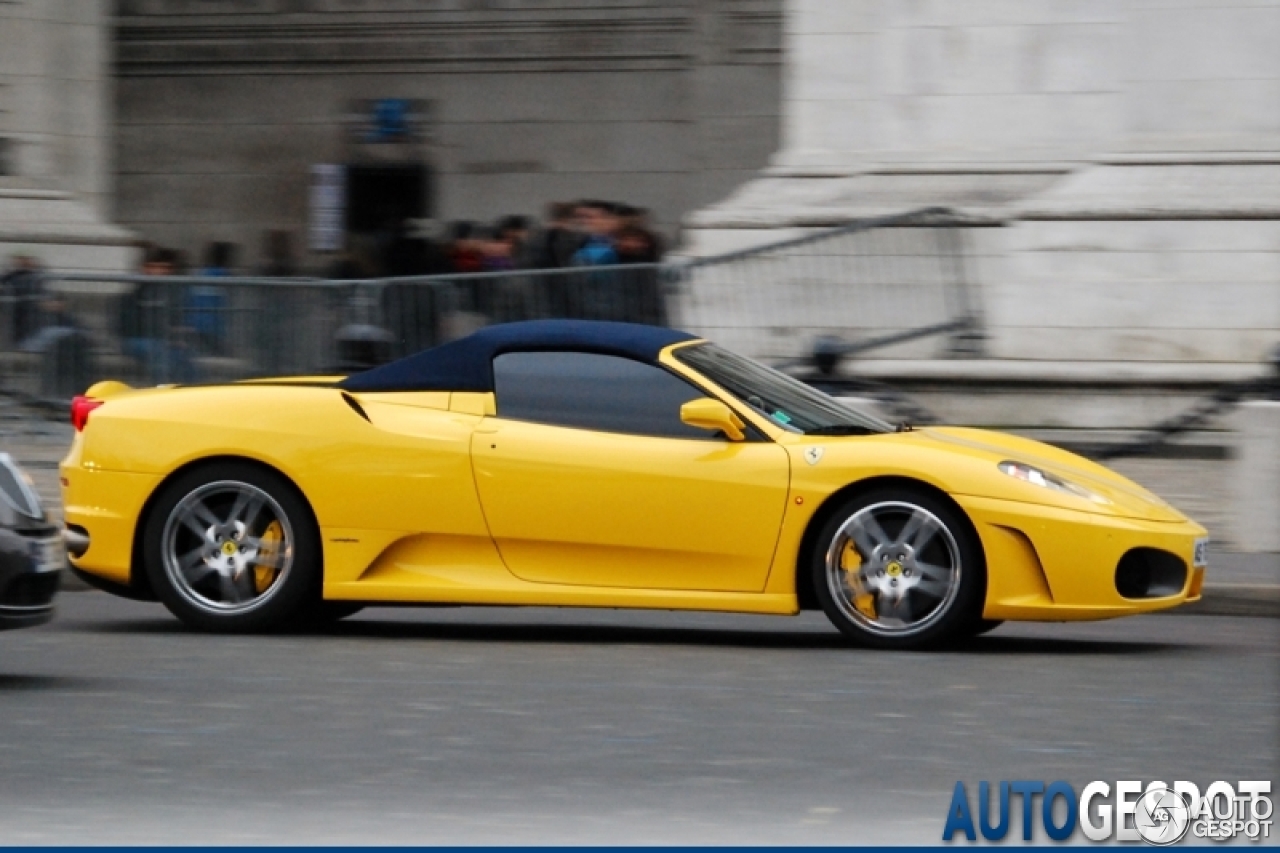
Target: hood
1127	497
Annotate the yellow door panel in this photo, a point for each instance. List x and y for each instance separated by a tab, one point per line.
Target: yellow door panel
408	470
573	506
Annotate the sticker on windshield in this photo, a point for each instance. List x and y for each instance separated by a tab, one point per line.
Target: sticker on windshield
781	417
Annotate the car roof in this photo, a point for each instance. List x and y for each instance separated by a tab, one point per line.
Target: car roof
467	363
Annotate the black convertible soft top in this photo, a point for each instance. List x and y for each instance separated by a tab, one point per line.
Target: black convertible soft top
467	364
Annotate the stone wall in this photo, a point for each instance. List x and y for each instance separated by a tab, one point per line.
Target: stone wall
55	95
55	109
223	108
1130	150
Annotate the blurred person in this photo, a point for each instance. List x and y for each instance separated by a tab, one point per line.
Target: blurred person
599	222
206	304
636	217
22	287
514	231
636	245
628	215
495	250
600	294
277	250
218	259
640	288
150	322
57	312
641	218
508	298
465	254
409	308
555	245
41	322
597	218
65	349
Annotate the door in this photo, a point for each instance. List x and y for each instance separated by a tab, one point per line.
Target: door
381	197
587	476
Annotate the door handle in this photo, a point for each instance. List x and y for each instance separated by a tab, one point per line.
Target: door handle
486	429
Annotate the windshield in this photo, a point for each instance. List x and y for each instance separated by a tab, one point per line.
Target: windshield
787	402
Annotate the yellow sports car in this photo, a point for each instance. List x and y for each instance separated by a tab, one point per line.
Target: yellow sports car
585	464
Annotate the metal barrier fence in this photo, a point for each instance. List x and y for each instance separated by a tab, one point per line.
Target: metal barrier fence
888	282
151	329
874	283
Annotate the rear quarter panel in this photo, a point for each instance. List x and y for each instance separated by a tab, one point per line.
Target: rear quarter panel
411	475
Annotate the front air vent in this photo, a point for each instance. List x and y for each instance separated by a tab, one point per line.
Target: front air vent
355	405
1150	573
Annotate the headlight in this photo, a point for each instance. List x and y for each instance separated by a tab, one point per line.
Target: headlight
16	491
1035	476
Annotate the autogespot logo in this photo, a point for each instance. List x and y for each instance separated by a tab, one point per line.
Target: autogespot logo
1158	814
1162	816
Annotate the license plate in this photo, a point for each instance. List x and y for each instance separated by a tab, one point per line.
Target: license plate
1200	554
49	555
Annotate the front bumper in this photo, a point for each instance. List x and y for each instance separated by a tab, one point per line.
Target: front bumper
1053	564
29	581
12	618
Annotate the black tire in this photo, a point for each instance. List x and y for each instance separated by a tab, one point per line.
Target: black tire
933	602
291	588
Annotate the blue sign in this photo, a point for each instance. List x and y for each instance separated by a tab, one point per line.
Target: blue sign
391	119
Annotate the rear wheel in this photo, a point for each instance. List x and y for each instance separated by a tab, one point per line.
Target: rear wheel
899	569
233	547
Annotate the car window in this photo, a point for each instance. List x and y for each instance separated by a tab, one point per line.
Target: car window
592	391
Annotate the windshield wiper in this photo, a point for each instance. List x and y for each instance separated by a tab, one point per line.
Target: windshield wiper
839	429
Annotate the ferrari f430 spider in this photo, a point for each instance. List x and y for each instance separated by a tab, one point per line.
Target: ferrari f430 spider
573	463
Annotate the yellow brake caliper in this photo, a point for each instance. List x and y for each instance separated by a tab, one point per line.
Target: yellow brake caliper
863	601
272	538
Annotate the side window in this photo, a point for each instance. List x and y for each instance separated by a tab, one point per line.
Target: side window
590	391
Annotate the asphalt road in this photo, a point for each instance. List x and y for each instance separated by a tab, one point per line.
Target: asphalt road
505	725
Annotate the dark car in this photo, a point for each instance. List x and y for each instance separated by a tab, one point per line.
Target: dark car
32	552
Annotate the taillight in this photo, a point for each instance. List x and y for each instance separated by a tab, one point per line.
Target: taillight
80	409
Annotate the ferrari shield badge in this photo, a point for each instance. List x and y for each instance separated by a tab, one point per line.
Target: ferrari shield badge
812	455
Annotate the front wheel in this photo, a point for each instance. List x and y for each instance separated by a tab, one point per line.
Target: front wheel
899	569
233	548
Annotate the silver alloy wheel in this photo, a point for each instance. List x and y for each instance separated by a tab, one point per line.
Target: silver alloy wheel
222	541
893	569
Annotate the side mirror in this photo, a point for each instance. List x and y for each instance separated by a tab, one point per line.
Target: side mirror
706	413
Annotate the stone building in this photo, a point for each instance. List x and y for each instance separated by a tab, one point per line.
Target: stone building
1126	153
55	129
319	116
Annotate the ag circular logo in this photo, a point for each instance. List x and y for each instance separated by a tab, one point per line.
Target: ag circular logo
1161	816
